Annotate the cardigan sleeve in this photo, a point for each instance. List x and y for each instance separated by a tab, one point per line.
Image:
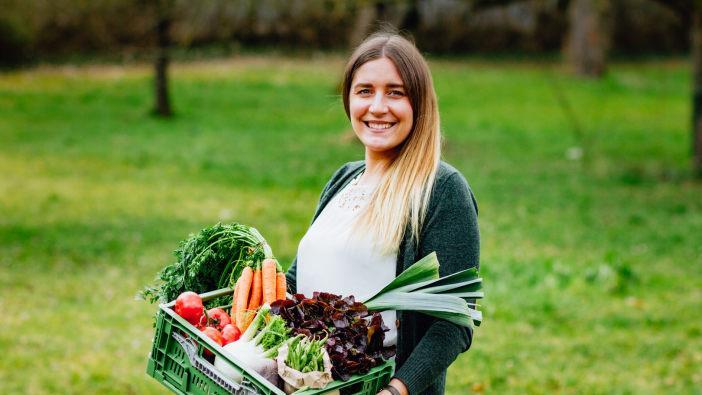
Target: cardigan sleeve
451	229
291	277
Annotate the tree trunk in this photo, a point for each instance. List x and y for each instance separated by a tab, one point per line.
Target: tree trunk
374	15
697	89
588	37
162	105
366	15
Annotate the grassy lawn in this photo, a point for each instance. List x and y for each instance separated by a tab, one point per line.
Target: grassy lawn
593	266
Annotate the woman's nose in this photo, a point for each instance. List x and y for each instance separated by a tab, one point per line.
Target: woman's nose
378	105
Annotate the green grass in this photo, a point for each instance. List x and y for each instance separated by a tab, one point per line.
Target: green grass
593	268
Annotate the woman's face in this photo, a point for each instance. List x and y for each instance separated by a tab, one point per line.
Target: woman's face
380	111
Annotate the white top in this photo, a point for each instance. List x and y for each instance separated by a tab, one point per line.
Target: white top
330	260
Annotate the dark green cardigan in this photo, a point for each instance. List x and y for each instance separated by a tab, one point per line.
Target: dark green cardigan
426	346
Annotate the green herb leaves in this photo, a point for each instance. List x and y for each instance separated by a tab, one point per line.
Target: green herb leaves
211	259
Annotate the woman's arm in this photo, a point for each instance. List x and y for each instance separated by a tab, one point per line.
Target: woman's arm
451	229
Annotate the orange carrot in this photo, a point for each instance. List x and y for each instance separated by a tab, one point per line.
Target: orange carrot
269	286
256	291
281	286
242	299
233	312
248	318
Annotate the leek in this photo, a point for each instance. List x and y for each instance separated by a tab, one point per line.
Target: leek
419	288
424	270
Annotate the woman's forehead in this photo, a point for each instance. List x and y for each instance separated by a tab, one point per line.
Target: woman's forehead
380	71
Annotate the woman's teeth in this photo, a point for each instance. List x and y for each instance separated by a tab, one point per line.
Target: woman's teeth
379	125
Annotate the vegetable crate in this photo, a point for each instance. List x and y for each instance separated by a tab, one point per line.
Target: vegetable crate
177	361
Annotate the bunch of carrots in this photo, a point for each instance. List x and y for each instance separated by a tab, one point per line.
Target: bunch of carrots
264	283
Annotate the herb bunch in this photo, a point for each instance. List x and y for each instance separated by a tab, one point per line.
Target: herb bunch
211	259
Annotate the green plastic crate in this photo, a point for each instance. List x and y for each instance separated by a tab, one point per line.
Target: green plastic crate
171	365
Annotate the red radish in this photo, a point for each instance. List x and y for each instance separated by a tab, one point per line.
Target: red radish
218	318
203	322
230	333
189	306
214	334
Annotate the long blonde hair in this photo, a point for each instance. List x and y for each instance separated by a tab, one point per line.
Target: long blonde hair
403	194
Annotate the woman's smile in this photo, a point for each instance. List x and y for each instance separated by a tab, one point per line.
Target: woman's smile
379	126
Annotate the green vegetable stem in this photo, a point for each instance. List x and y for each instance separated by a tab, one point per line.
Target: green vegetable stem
305	355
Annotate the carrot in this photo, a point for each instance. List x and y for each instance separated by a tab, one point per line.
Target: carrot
233	312
244	285
256	291
248	319
269	286
281	286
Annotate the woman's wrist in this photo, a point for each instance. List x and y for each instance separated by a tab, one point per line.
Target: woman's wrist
391	390
398	386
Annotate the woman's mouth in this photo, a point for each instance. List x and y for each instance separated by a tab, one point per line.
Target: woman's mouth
379	125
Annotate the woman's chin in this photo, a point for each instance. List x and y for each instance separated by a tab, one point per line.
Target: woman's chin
377	146
383	150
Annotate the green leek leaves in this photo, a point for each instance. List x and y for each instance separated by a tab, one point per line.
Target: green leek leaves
420	289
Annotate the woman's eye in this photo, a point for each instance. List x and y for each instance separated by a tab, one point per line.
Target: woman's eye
364	91
397	93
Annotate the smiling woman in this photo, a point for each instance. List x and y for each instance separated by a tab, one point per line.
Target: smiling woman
378	216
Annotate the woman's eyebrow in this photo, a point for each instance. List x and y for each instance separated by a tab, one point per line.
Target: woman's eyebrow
367	84
362	85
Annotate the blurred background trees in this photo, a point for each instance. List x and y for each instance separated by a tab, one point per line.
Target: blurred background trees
586	32
37	29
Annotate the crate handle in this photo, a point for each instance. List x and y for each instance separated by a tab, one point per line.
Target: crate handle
209	370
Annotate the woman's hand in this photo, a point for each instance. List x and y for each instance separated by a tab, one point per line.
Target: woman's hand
399	385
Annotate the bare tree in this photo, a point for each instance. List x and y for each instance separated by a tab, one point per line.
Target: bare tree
374	14
366	16
164	18
588	37
693	9
697	89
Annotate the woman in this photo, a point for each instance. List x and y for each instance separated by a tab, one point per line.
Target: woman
378	216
